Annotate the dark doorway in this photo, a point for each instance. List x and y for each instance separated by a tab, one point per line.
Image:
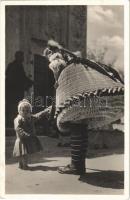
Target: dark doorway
43	83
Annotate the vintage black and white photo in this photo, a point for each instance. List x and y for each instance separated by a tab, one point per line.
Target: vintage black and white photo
64	79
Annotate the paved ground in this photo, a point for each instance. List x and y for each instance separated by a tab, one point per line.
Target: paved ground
104	173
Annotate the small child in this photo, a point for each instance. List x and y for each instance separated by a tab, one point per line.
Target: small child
24	124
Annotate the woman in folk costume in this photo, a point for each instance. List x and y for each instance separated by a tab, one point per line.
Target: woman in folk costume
88	95
26	140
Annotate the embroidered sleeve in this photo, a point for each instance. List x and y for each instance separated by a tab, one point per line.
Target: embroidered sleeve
18	127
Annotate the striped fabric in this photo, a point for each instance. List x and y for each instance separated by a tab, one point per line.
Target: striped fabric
79	142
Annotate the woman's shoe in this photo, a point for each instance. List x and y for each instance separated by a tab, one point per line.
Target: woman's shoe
69	169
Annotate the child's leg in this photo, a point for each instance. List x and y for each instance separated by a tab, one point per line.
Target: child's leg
20	162
25	161
60	141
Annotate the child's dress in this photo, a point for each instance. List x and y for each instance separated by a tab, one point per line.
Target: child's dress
25	144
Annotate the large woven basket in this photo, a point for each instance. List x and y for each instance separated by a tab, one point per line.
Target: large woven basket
85	95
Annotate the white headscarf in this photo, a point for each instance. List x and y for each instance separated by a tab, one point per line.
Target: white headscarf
24	103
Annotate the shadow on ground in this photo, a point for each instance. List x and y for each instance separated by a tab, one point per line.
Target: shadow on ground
104	178
42	168
50	150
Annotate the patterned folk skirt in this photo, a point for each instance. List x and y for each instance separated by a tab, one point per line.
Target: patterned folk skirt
86	96
27	145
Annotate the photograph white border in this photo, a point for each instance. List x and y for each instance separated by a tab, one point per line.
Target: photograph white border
3	3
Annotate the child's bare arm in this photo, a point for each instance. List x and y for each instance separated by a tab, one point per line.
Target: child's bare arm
18	128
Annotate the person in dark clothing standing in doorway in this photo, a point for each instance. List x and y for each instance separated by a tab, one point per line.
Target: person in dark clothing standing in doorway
16	83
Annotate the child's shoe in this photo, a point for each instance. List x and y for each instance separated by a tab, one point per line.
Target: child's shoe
20	165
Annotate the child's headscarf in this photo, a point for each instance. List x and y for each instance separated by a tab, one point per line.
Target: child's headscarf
24	103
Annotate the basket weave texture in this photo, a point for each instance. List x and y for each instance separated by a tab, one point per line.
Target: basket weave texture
76	79
75	104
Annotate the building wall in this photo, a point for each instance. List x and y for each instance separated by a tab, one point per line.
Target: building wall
65	24
12	32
